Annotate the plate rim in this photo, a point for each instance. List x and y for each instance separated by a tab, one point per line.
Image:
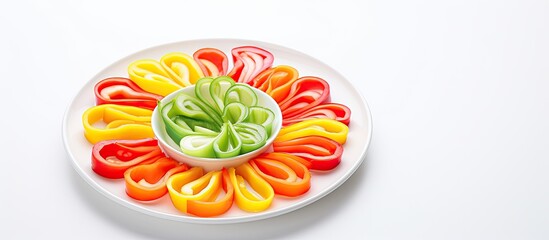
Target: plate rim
239	219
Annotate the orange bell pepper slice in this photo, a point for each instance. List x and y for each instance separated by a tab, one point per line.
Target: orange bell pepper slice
288	175
148	181
195	193
276	81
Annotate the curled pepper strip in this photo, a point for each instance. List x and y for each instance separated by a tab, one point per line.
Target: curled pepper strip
212	91
249	61
197	194
288	175
328	128
182	68
244	198
228	143
123	122
148	181
321	152
198	145
235	112
112	158
152	77
177	126
262	116
187	115
305	93
123	91
190	107
253	136
212	61
240	93
276	81
335	111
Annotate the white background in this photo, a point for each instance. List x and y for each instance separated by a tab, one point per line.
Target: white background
459	92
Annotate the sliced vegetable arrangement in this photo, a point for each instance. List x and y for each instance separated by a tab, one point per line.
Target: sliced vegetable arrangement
222	118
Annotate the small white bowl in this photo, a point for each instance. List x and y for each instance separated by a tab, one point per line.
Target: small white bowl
170	148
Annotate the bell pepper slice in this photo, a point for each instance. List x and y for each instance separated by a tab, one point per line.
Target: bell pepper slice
228	143
187	115
252	136
194	193
218	90
212	61
178	127
152	77
225	145
191	107
213	91
328	128
182	68
262	116
198	146
122	91
276	81
335	111
249	61
241	93
202	92
287	174
123	122
321	152
235	112
305	93
147	182
111	158
252	201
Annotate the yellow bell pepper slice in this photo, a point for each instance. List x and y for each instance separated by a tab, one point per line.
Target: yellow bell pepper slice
152	77
182	68
328	128
122	122
194	193
245	199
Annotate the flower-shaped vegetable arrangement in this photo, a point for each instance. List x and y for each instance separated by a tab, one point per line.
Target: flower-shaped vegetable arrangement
221	120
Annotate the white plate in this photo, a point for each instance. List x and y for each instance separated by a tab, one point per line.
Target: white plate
322	183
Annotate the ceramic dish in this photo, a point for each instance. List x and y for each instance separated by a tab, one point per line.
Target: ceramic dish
322	183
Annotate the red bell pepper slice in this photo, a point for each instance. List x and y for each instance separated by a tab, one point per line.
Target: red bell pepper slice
323	153
212	61
288	175
249	61
122	91
335	111
111	158
305	93
147	182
